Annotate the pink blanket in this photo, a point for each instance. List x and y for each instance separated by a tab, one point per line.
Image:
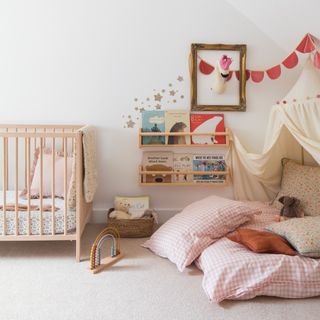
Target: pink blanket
233	272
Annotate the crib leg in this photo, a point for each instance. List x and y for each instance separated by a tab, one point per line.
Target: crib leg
78	250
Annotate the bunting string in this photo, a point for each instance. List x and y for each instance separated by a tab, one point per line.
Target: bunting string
309	44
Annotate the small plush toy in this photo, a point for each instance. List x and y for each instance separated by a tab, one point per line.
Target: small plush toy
291	207
148	213
121	211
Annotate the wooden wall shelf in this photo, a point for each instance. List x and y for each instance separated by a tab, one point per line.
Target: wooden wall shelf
184	184
165	134
142	173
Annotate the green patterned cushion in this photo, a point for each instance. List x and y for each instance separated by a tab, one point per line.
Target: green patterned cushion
302	182
302	233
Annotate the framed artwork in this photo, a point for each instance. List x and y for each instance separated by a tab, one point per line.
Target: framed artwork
218	77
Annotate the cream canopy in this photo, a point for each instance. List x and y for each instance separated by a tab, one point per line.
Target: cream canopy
294	126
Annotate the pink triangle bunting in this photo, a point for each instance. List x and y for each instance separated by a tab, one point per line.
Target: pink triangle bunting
291	61
247	75
316	60
205	67
306	45
257	76
274	72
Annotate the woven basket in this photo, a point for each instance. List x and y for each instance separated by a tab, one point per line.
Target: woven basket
132	228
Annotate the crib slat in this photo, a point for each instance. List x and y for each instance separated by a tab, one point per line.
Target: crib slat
29	184
4	187
7	161
65	154
45	140
35	142
53	185
72	142
16	186
41	185
62	140
25	160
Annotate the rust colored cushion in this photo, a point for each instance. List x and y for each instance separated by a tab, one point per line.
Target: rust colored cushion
262	242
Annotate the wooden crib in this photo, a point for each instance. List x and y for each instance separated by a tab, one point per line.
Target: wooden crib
18	144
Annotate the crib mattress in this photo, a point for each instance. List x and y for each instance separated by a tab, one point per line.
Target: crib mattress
35	217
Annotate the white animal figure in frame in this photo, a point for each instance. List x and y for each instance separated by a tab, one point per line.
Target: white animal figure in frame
221	74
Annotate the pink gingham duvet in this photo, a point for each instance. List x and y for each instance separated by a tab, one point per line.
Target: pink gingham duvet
233	272
188	233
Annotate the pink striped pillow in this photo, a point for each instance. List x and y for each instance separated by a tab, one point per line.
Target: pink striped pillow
187	234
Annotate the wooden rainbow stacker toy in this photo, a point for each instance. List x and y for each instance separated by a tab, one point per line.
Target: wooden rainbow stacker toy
96	263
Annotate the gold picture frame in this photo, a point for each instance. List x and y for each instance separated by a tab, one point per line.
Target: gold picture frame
201	97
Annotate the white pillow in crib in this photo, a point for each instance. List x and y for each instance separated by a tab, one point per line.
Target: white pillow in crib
47	176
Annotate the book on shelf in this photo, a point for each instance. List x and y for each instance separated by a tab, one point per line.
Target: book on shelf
157	161
136	205
209	163
177	121
201	123
153	121
182	162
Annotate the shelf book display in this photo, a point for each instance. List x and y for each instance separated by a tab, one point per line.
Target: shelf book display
176	128
153	122
182	162
181	129
201	123
175	122
155	164
209	163
166	168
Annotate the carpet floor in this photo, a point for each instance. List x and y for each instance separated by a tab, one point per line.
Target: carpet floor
43	281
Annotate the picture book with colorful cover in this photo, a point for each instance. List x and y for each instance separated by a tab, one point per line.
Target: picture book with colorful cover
153	121
209	163
200	123
137	205
157	161
182	162
177	121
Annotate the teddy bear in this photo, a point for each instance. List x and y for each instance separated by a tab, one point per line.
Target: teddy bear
291	207
121	211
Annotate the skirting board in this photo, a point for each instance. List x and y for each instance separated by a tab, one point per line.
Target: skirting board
99	215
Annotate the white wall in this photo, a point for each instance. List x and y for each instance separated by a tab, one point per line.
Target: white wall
84	61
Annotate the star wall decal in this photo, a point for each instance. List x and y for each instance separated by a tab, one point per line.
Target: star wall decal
171	94
130	124
157	97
